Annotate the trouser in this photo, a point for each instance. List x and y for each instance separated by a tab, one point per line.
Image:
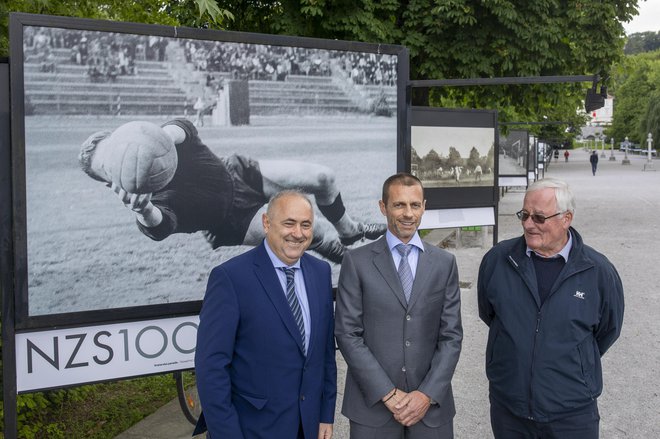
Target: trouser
581	425
393	430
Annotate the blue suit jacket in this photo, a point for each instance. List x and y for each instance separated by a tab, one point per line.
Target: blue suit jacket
253	378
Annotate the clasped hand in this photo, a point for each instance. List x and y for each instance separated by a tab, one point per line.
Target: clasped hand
408	408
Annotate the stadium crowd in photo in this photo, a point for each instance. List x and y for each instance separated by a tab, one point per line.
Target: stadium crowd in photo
71	71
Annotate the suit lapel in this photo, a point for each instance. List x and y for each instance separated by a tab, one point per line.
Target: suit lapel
385	266
312	288
265	272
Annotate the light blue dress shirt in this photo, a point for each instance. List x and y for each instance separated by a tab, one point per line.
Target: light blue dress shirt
413	256
564	252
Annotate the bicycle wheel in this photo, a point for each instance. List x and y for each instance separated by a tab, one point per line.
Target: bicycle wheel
186	391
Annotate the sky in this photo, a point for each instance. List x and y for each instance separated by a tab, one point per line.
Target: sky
425	138
647	20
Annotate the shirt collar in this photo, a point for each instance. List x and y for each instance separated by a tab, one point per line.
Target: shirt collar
277	263
393	241
563	253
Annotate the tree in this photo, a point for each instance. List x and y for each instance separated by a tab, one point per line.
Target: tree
474	158
431	161
489	162
635	81
454	158
650	122
415	159
642	42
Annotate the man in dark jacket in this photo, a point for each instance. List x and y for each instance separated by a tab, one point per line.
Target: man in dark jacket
593	159
554	306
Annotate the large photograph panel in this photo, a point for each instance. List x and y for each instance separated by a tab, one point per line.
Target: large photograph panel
514	149
453	156
225	125
454	153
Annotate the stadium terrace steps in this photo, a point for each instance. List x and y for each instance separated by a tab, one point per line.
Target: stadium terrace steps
155	90
298	94
70	90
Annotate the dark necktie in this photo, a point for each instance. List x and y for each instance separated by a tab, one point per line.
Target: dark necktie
293	301
405	273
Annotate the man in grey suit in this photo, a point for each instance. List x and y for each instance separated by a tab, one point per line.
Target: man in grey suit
398	326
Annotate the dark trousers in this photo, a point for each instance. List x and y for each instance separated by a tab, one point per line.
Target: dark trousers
581	425
394	430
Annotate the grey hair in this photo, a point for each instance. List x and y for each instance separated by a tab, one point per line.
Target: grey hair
563	194
288	193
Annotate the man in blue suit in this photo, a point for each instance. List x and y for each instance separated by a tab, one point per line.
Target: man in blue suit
265	358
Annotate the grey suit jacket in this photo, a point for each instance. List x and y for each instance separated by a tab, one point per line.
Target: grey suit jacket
388	343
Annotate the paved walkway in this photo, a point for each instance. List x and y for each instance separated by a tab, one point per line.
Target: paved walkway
618	213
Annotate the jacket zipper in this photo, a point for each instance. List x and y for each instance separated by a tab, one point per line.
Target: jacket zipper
536	332
533	362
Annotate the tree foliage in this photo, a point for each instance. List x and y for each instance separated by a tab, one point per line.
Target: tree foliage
635	86
650	121
642	42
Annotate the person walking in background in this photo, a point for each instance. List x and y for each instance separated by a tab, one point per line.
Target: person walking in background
398	326
593	159
566	154
265	358
553	306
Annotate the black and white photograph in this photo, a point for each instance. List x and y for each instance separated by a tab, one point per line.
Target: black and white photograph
149	160
514	149
443	156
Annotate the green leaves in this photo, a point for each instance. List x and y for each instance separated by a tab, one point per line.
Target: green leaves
312	8
635	85
210	7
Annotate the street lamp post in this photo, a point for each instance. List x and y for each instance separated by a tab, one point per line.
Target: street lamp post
626	144
649	160
612	158
602	146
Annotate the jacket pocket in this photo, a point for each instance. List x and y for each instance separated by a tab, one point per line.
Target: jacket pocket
588	364
258	402
490	347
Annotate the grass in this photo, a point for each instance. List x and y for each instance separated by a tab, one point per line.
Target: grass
112	408
99	411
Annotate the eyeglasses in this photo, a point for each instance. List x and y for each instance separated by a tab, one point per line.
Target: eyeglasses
536	217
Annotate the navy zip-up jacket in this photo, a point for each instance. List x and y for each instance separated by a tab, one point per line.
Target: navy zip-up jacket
543	361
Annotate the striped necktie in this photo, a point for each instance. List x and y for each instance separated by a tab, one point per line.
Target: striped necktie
293	301
405	273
